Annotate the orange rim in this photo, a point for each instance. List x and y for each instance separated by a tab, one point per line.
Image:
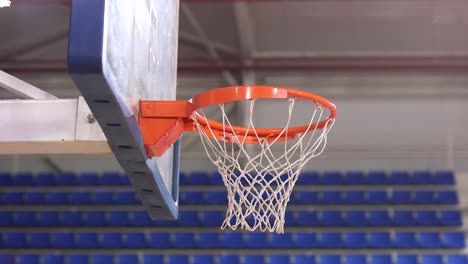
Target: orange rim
250	135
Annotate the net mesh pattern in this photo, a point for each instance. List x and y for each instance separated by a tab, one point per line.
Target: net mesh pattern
260	177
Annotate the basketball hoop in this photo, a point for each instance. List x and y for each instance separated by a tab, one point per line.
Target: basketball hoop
259	179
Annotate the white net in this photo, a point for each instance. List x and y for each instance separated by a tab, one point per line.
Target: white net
260	177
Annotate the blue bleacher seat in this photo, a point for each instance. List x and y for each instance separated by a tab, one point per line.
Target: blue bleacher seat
405	240
140	219
49	219
379	240
403	218
229	259
304	197
12	198
53	259
254	259
302	259
422	177
432	259
56	198
63	240
103	197
427	218
45	179
330	259
212	218
178	259
80	198
110	179
399	178
355	240
117	218
309	178
88	179
457	259
305	240
354	178
232	240
216	179
72	219
454	240
188	218
447	197
135	240
449	217
126	198
6	179
402	197
14	240
331	218
424	197
444	178
127	259
332	178
111	240
125	180
7	259
87	240
34	198
354	197
279	259
377	178
208	240
381	259
102	259
330	240
26	259
159	240
183	179
192	197
152	259
377	197
429	240
184	240
199	178
379	218
39	240
407	259
289	218
78	259
6	218
67	179
94	218
355	218
23	179
204	259
281	240
25	218
216	197
306	218
332	197
355	259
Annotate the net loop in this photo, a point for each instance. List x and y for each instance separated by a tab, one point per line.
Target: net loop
260	177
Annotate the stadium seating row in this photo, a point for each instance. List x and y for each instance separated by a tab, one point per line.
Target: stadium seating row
215	218
205	178
232	259
220	197
228	240
64	179
338	178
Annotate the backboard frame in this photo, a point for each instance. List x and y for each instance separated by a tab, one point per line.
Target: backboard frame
118	120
